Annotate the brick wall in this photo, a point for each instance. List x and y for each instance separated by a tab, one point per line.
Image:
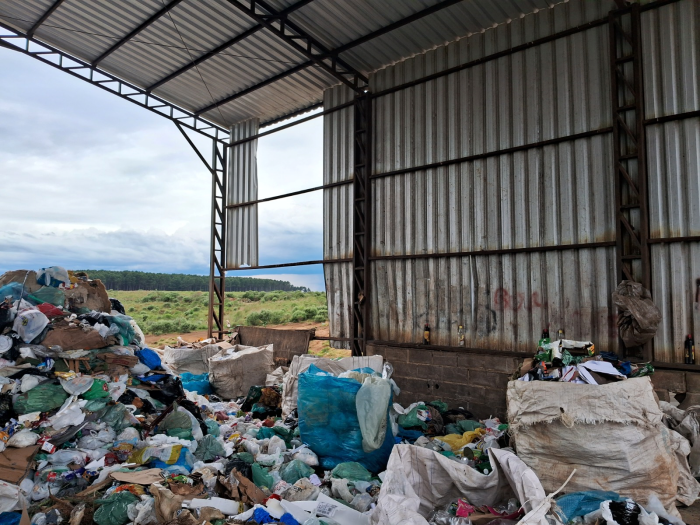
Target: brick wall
476	382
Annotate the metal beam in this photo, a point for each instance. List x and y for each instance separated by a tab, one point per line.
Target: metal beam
155	16
18	41
391	27
206	56
281	26
43	18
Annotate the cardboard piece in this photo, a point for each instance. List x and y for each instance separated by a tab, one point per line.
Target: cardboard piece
15	463
141	477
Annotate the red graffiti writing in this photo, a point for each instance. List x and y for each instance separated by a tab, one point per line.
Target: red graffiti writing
502	298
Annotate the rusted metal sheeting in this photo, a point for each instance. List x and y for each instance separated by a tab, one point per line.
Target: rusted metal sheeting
675	288
673	150
503	301
671	45
242	186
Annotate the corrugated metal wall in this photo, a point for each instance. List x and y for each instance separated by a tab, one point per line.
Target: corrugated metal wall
242	186
548	196
671	42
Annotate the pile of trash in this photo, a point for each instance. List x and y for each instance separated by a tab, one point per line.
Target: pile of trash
577	362
95	427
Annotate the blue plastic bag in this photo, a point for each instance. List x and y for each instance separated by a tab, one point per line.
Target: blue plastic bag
149	358
199	384
12	289
10	518
582	503
328	421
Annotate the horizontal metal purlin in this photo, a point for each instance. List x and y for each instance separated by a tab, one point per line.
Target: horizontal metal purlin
291	115
502	251
516	49
287	265
494	153
667	240
671	118
458	349
292	194
300	121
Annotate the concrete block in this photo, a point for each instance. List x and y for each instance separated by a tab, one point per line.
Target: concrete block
416	355
670	380
663	395
692	381
691	399
488	379
454	374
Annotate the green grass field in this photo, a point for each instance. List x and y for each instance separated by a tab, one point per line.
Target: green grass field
160	313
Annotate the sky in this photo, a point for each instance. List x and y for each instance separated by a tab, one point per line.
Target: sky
92	181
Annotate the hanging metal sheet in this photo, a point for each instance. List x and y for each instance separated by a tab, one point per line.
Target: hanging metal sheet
242	186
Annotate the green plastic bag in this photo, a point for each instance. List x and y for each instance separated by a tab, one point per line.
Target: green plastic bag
351	471
261	477
295	470
48	294
177	422
411	420
265	433
460	427
98	390
245	456
117	418
113	509
212	427
180	433
440	405
41	398
209	448
96	405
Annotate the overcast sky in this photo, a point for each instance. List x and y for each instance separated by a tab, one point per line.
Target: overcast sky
93	181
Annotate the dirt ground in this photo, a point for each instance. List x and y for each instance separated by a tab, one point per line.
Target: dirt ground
691	515
315	347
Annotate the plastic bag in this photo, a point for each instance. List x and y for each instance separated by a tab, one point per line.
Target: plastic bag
118	417
114	509
412	420
29	324
328	421
351	471
176	423
261	477
97	390
295	470
42	398
77	385
48	294
13	290
307	456
23	438
52	276
209	448
196	383
276	445
582	503
213	428
640	317
29	381
149	358
371	402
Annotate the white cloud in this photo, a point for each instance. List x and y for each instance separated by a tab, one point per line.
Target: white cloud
92	181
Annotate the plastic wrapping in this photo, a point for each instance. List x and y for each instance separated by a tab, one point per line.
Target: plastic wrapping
196	383
29	324
41	398
328	421
351	471
149	358
209	448
261	477
114	509
371	402
294	471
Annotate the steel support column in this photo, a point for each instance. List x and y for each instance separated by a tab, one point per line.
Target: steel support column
218	167
361	218
217	272
629	153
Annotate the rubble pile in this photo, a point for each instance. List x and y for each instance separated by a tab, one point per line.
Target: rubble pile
95	427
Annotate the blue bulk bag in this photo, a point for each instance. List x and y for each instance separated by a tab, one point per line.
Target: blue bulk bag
194	383
149	358
328	421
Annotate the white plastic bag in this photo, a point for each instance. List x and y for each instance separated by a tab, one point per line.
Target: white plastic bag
11	498
29	324
29	381
77	385
276	445
372	404
23	438
306	455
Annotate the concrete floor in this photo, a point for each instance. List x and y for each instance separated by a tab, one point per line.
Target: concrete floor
691	515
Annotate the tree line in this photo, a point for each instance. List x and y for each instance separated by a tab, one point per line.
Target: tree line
128	280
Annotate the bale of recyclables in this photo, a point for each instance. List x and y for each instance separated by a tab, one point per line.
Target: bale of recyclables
233	371
613	435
